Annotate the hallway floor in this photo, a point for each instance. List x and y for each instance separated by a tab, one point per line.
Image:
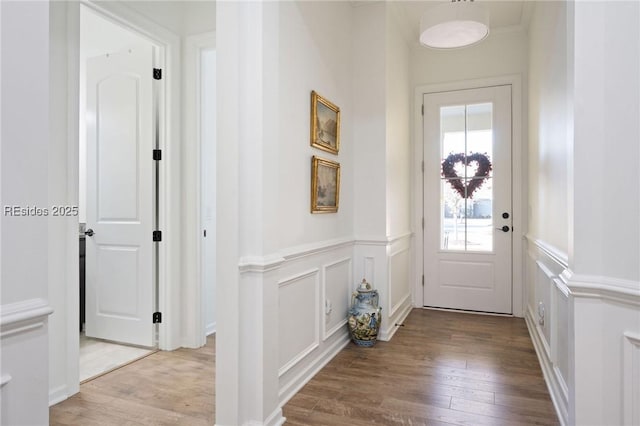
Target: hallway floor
441	368
164	388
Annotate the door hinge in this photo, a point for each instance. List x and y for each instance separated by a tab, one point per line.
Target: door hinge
157	317
205	233
423	167
422	109
157	235
423	223
423	281
157	154
157	74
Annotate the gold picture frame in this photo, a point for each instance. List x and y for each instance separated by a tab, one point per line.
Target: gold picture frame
325	185
325	124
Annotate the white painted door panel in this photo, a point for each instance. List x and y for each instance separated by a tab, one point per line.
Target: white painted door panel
120	197
467	255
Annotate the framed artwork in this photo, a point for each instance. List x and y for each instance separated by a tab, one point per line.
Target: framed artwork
325	124
325	185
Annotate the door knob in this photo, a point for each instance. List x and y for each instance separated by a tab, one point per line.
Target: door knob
89	232
504	229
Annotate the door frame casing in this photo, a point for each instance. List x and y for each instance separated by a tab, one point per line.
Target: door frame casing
518	187
194	306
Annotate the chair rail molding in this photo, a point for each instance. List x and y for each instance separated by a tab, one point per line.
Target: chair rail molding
23	316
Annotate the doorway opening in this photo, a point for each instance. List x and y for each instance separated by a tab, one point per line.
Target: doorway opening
119	125
467	200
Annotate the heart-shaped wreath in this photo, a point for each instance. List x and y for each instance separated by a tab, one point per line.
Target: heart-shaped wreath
481	175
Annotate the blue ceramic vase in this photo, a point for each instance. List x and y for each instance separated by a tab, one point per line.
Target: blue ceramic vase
364	315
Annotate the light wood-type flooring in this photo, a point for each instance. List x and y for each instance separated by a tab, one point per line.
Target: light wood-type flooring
441	368
164	388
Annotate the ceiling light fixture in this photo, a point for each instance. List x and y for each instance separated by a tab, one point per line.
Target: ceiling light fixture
457	24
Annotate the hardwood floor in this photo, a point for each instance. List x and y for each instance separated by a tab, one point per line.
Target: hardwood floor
441	368
165	388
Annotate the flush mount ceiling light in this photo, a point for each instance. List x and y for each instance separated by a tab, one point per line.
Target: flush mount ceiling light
457	24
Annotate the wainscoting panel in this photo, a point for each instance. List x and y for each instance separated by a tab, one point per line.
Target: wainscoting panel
298	318
547	317
315	285
544	286
399	273
336	295
24	377
631	368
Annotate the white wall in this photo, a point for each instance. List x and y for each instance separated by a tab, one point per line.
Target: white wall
502	53
398	127
584	243
25	137
548	205
548	116
314	54
604	272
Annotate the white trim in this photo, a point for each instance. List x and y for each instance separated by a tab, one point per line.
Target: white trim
294	385
316	341
58	394
276	418
13	315
631	388
386	335
6	378
396	238
393	309
298	252
193	285
275	260
23	317
210	329
557	255
260	264
371	241
555	387
398	305
611	289
519	194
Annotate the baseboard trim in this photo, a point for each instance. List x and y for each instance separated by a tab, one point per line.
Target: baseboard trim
387	334
557	391
210	329
276	418
58	395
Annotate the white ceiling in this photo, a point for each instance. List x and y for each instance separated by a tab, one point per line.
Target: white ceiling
505	15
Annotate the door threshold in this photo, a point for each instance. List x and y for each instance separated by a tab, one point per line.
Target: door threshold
468	311
111	370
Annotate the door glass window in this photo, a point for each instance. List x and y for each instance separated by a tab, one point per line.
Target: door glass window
466	194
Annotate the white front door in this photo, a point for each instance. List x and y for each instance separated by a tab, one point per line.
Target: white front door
467	200
120	197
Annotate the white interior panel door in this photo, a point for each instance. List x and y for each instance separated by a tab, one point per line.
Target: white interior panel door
120	197
467	200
